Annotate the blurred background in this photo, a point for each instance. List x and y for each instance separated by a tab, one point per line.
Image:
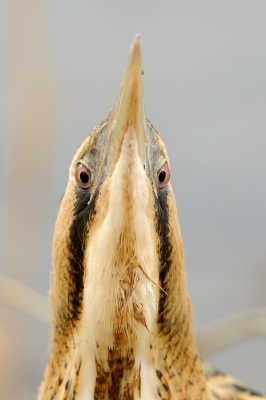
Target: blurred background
204	65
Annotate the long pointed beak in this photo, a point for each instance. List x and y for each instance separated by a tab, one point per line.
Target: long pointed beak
129	108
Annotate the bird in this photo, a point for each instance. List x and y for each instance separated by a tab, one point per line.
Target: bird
121	317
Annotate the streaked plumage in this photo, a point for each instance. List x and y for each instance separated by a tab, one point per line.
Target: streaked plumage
121	316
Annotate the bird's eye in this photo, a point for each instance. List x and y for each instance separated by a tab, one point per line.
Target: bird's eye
83	177
163	176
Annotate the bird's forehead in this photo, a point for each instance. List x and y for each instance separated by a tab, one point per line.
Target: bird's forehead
94	152
157	150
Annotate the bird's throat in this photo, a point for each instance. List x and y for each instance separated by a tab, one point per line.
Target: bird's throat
121	262
120	302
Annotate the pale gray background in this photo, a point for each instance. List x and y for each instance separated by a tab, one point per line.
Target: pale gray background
205	92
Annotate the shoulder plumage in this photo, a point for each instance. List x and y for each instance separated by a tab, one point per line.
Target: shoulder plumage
225	387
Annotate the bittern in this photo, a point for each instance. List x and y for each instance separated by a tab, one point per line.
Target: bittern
121	316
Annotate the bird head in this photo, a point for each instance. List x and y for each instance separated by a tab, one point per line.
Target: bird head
120	311
112	237
121	317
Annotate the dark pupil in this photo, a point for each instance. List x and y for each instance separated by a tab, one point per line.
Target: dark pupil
84	177
162	176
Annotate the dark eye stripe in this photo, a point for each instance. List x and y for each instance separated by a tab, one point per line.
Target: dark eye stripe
165	250
84	213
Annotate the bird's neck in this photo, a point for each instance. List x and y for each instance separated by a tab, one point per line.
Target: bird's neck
177	355
162	364
122	343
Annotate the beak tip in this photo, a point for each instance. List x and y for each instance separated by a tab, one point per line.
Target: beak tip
135	52
129	107
137	38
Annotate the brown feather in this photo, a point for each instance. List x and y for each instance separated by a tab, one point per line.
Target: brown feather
121	316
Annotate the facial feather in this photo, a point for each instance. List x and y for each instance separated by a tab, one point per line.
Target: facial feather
121	255
121	317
